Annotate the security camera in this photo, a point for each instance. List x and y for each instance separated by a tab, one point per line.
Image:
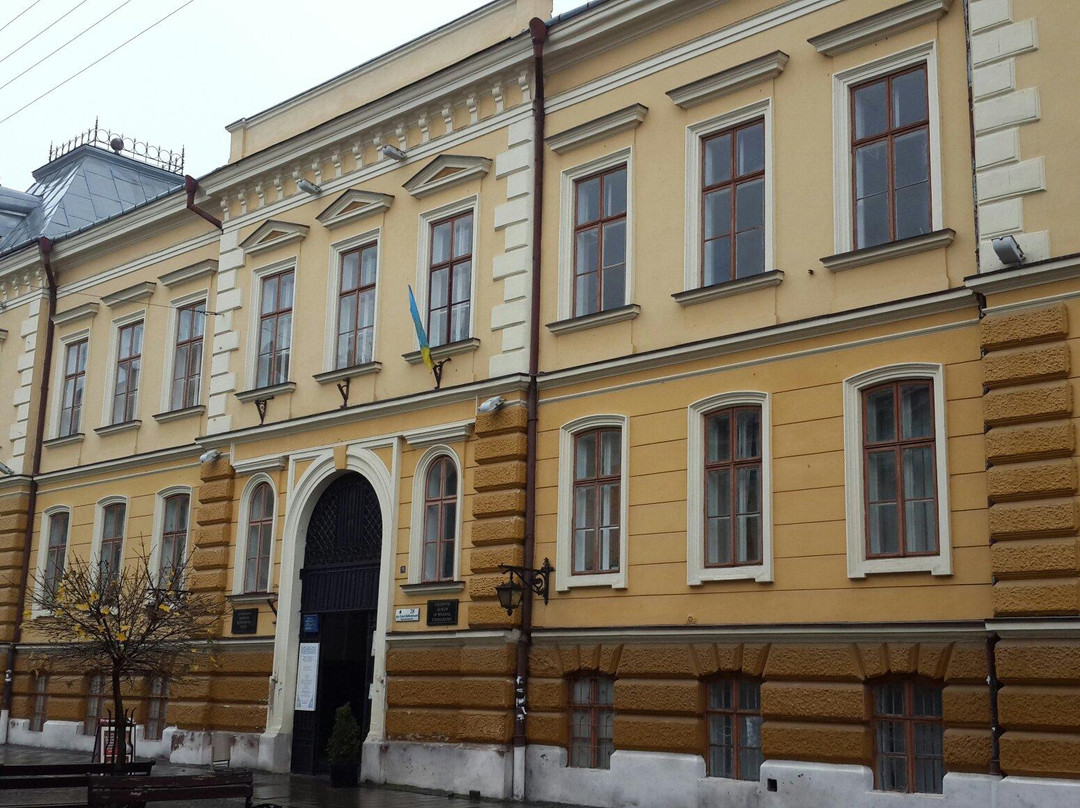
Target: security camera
1008	251
393	152
209	456
493	404
308	187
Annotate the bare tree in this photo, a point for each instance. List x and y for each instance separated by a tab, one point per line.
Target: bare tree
127	622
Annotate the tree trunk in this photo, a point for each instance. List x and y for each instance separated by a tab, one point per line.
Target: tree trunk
119	721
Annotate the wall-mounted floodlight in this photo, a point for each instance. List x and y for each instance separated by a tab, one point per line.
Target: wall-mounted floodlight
493	404
308	187
1008	251
6	470
209	456
393	152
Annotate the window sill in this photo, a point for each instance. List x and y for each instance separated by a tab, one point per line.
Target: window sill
618	315
935	565
63	440
892	249
762	573
331	376
176	415
613	580
251	597
729	288
123	426
443	351
265	393
433	587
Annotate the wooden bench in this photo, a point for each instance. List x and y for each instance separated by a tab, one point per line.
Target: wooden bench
119	790
36	776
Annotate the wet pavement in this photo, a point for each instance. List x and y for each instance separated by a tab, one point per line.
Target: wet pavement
284	790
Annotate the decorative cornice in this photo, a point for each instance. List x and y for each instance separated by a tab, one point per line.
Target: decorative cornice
193	272
265	393
331	376
255	465
443	351
271	234
729	81
621	120
136	293
446	433
22	280
571	324
352	205
123	426
891	249
176	415
729	288
878	26
83	311
444	171
1025	277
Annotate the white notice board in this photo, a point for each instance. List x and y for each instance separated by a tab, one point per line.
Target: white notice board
307	676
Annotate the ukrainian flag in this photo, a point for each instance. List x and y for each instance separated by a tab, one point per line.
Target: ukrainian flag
421	334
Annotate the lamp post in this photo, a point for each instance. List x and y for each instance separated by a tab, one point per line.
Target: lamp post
512	591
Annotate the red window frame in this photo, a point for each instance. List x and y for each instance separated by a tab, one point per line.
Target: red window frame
898	446
598	482
598	225
174	537
444	500
352	296
129	337
260	527
187	378
889	135
277	365
908	721
736	711
732	465
56	551
73	387
443	335
598	712
734	182
111	551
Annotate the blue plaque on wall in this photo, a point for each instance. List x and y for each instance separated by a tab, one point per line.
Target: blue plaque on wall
310	624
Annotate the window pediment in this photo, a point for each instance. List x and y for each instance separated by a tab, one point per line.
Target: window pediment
444	171
354	204
271	234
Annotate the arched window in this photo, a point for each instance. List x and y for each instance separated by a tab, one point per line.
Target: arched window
111	553
440	520
260	530
908	736
592	721
55	551
174	532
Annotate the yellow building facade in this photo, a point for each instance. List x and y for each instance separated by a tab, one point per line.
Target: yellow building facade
754	318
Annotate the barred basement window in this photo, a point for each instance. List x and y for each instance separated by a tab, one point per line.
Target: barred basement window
592	721
95	704
733	727
41	698
908	736
155	708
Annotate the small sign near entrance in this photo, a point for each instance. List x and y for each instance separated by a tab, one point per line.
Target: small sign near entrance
410	615
310	624
307	676
245	621
442	612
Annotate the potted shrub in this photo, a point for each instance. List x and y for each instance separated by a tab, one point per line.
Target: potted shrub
344	748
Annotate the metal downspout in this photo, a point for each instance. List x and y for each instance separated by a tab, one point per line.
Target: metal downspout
191	185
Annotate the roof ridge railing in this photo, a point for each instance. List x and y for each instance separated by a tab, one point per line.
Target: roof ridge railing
129	147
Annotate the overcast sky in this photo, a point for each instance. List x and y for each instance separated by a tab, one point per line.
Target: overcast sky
181	82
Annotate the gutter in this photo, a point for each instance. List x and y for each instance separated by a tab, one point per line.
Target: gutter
191	185
538	30
45	247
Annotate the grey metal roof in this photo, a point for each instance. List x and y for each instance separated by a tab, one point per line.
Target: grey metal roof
85	186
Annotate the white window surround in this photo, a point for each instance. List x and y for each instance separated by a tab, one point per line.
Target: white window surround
565	578
416	519
240	562
695	136
333	287
859	566
566	225
99	528
423	267
57	388
252	352
110	367
202	296
43	551
843	226
696	571
159	522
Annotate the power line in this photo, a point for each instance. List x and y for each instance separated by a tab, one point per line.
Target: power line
43	30
9	22
96	61
53	53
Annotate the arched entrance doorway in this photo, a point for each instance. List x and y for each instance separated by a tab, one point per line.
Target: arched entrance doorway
338	603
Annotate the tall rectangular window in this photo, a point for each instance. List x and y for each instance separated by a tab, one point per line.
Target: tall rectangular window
733	204
41	697
600	242
908	737
174	537
95	702
356	306
592	721
73	389
155	708
128	368
275	329
188	356
55	552
733	487
450	280
597	495
112	540
890	143
260	530
733	718
899	458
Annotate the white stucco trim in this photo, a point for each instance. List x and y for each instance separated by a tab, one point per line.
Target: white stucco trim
243	515
423	253
858	565
843	224
417	521
42	551
696	571
110	366
333	286
99	528
59	365
251	359
159	523
565	578
201	296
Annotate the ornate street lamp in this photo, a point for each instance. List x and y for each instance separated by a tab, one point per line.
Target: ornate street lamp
512	592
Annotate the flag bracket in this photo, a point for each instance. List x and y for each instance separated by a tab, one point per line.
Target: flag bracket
343	390
436	370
